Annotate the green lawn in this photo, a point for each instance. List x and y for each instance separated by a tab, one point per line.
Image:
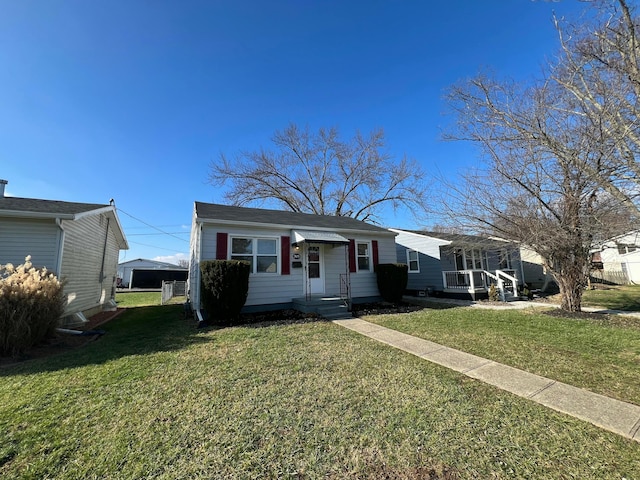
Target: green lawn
143	299
602	356
157	398
617	297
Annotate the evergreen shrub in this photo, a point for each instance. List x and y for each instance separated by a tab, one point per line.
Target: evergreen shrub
392	280
225	286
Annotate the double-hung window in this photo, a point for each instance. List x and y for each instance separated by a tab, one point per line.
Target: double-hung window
412	261
261	253
363	254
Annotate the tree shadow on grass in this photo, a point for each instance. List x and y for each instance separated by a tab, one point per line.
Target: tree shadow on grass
138	331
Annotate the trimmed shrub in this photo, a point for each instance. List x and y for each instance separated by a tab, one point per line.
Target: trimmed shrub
392	280
225	286
31	304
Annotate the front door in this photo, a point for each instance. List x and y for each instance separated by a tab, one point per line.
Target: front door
315	270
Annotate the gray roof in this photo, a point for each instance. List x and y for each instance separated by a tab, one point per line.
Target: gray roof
211	211
56	207
464	240
49	209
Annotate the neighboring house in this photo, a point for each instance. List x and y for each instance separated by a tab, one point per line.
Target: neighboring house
536	275
296	258
79	242
142	273
458	265
618	259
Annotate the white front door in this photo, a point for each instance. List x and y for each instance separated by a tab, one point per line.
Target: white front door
314	270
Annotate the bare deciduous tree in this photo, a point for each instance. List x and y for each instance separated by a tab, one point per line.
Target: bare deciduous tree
599	68
563	171
321	174
537	187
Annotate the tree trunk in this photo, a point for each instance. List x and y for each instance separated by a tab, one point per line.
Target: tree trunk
571	277
570	293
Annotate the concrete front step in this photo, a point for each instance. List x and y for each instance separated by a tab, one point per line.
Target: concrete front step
331	308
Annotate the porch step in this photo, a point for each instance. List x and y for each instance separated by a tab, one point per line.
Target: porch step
331	308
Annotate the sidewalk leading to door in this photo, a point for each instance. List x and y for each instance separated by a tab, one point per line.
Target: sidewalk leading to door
608	413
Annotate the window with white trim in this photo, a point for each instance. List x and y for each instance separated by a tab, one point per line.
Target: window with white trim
624	248
505	260
412	261
363	254
261	253
476	259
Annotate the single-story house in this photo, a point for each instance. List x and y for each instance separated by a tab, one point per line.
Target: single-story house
457	265
79	242
297	260
536	274
618	259
143	273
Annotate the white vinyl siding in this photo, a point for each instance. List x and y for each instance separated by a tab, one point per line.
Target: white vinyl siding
22	237
82	262
273	289
264	289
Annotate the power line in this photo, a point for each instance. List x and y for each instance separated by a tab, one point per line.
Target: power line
168	233
152	226
158	248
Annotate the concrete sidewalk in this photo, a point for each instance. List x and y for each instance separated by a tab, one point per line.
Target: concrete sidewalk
613	415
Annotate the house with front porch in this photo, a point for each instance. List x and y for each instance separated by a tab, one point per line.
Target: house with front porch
298	260
458	265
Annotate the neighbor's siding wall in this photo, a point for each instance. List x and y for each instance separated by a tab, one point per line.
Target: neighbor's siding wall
428	249
82	262
264	288
22	237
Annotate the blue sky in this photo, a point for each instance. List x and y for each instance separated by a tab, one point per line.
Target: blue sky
132	100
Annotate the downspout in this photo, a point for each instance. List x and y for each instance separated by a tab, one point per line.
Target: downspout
195	287
61	240
104	254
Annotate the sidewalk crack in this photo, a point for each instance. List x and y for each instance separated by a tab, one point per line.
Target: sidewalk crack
539	391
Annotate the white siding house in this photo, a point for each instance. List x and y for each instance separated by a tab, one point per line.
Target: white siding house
293	255
79	242
619	259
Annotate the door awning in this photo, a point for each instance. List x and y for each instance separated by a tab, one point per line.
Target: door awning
310	236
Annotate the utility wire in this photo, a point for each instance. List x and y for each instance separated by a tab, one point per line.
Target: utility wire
168	233
153	246
152	226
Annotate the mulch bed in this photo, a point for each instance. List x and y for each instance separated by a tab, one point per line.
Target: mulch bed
63	342
384	308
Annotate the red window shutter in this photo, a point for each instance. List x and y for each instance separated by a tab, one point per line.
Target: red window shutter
374	248
285	253
352	255
221	245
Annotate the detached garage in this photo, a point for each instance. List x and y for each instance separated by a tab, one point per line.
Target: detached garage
142	273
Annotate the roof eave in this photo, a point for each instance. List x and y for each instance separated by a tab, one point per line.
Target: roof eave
241	223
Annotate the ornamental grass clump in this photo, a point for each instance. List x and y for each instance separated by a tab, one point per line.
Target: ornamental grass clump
31	303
